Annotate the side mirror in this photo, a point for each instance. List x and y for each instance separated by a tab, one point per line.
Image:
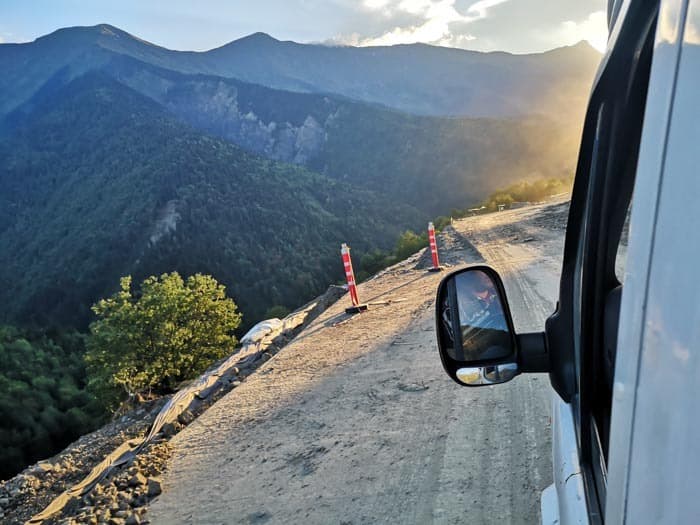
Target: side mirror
477	342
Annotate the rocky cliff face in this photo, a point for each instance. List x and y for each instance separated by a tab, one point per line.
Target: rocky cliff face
213	105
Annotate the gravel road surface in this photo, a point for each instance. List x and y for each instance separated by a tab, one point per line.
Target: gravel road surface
355	421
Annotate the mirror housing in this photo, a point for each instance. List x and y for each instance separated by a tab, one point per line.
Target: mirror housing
476	339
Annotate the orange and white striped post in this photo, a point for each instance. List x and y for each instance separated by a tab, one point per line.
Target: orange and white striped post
433	248
352	285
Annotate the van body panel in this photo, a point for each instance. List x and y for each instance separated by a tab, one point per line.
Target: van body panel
665	457
641	238
564	502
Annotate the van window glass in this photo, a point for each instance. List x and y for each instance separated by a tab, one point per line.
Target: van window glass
621	257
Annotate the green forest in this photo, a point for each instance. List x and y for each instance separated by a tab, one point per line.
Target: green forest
44	404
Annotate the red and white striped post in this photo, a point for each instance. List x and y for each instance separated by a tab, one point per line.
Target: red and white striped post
352	285
433	248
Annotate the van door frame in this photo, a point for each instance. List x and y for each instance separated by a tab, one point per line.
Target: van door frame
603	185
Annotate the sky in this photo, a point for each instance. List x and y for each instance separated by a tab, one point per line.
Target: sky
516	26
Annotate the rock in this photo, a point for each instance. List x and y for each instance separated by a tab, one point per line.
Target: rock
42	468
4	502
121	483
413	387
133	519
169	429
139	500
154	488
116	521
186	417
137	479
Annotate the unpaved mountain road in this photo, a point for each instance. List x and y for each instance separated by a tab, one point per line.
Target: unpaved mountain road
355	421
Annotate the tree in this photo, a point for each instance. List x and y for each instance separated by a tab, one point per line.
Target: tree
409	243
171	331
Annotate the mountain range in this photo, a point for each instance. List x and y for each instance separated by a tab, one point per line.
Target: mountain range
415	78
252	161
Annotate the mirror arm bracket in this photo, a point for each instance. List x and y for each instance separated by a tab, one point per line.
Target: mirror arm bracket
533	356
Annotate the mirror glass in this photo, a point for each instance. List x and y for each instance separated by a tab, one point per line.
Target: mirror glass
476	323
482	320
487	375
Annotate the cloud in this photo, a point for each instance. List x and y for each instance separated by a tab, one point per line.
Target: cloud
433	22
593	28
692	31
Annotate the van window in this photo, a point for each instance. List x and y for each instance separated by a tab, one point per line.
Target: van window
621	257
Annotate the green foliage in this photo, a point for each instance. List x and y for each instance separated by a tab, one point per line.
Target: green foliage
441	222
523	191
409	243
43	402
171	331
376	260
277	311
529	191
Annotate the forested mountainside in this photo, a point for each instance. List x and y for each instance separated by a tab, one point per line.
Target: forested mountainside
99	182
434	164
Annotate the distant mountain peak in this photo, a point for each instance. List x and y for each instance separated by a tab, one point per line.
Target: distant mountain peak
256	37
90	35
107	29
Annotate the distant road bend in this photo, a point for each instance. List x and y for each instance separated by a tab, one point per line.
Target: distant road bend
355	422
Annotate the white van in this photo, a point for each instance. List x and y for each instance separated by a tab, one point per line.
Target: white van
623	347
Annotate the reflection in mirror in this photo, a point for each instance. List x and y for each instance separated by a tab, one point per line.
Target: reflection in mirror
482	320
475	335
487	375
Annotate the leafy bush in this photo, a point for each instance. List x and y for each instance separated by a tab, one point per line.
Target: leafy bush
171	331
409	243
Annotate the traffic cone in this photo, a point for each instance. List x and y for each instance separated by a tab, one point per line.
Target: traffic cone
352	286
433	249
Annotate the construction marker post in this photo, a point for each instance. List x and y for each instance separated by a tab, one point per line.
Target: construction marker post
352	286
433	248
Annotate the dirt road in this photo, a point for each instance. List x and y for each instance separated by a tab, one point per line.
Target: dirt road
355	421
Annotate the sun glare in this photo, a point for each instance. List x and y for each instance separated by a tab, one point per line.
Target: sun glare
593	29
